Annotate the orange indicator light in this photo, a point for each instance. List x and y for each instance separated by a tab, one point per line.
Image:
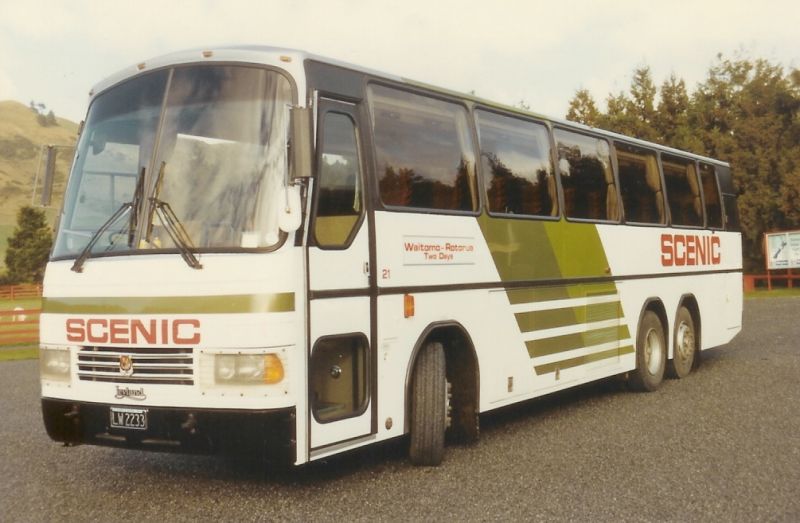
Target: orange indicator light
408	306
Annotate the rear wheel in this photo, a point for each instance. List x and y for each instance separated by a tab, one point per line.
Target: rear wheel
685	344
428	406
651	354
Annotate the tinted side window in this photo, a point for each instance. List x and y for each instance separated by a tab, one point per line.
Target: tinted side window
424	150
515	156
640	184
711	196
731	213
587	179
339	202
683	191
728	191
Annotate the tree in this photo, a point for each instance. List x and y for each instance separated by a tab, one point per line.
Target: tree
582	109
747	112
28	247
671	120
617	118
641	104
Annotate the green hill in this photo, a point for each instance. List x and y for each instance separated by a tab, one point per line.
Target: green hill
21	141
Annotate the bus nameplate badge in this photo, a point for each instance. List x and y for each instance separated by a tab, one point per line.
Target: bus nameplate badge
126	365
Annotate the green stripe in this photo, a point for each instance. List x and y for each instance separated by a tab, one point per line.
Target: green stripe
579	340
582	360
552	318
232	304
527	249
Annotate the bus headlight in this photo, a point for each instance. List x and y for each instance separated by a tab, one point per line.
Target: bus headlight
247	369
54	363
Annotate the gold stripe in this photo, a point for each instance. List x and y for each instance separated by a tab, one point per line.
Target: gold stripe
552	318
582	290
232	304
567	342
582	360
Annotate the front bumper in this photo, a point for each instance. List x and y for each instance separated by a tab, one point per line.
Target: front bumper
264	433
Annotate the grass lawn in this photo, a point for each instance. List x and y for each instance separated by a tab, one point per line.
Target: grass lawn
19	352
774	293
30	303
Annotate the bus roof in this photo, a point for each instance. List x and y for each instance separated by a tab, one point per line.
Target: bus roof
293	61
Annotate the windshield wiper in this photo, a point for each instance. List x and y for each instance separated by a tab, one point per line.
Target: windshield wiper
176	231
79	261
171	223
135	204
132	205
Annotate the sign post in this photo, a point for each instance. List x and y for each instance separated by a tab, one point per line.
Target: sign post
782	252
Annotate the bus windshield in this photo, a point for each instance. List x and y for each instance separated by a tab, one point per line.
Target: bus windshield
207	143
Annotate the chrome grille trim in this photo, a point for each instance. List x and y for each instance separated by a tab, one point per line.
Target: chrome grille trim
158	365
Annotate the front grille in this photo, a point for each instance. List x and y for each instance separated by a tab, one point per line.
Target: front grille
162	366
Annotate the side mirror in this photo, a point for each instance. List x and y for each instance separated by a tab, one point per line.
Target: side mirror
49	176
300	135
290	208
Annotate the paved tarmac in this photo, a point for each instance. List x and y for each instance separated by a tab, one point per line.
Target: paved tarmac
720	445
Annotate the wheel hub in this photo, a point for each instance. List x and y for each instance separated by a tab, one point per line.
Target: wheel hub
652	352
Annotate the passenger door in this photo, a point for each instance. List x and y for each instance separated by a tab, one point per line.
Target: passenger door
340	375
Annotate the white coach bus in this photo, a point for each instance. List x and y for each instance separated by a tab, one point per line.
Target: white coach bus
269	251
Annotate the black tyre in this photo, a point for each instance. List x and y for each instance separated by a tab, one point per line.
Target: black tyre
651	354
684	344
428	406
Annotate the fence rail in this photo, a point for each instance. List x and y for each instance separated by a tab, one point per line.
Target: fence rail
20	326
20	292
767	281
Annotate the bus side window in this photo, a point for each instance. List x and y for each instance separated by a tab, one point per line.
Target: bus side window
424	152
515	156
683	191
339	199
587	177
711	197
640	184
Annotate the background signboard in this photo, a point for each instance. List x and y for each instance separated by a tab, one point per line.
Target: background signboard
783	250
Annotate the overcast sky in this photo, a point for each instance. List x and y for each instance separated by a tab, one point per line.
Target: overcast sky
538	51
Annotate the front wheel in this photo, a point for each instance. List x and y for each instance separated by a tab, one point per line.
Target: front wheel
685	343
428	406
651	354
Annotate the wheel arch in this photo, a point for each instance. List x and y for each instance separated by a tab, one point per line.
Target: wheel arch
656	305
461	362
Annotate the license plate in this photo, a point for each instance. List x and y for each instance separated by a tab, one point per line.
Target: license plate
122	418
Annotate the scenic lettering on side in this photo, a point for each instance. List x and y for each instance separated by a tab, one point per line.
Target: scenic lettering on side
679	250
